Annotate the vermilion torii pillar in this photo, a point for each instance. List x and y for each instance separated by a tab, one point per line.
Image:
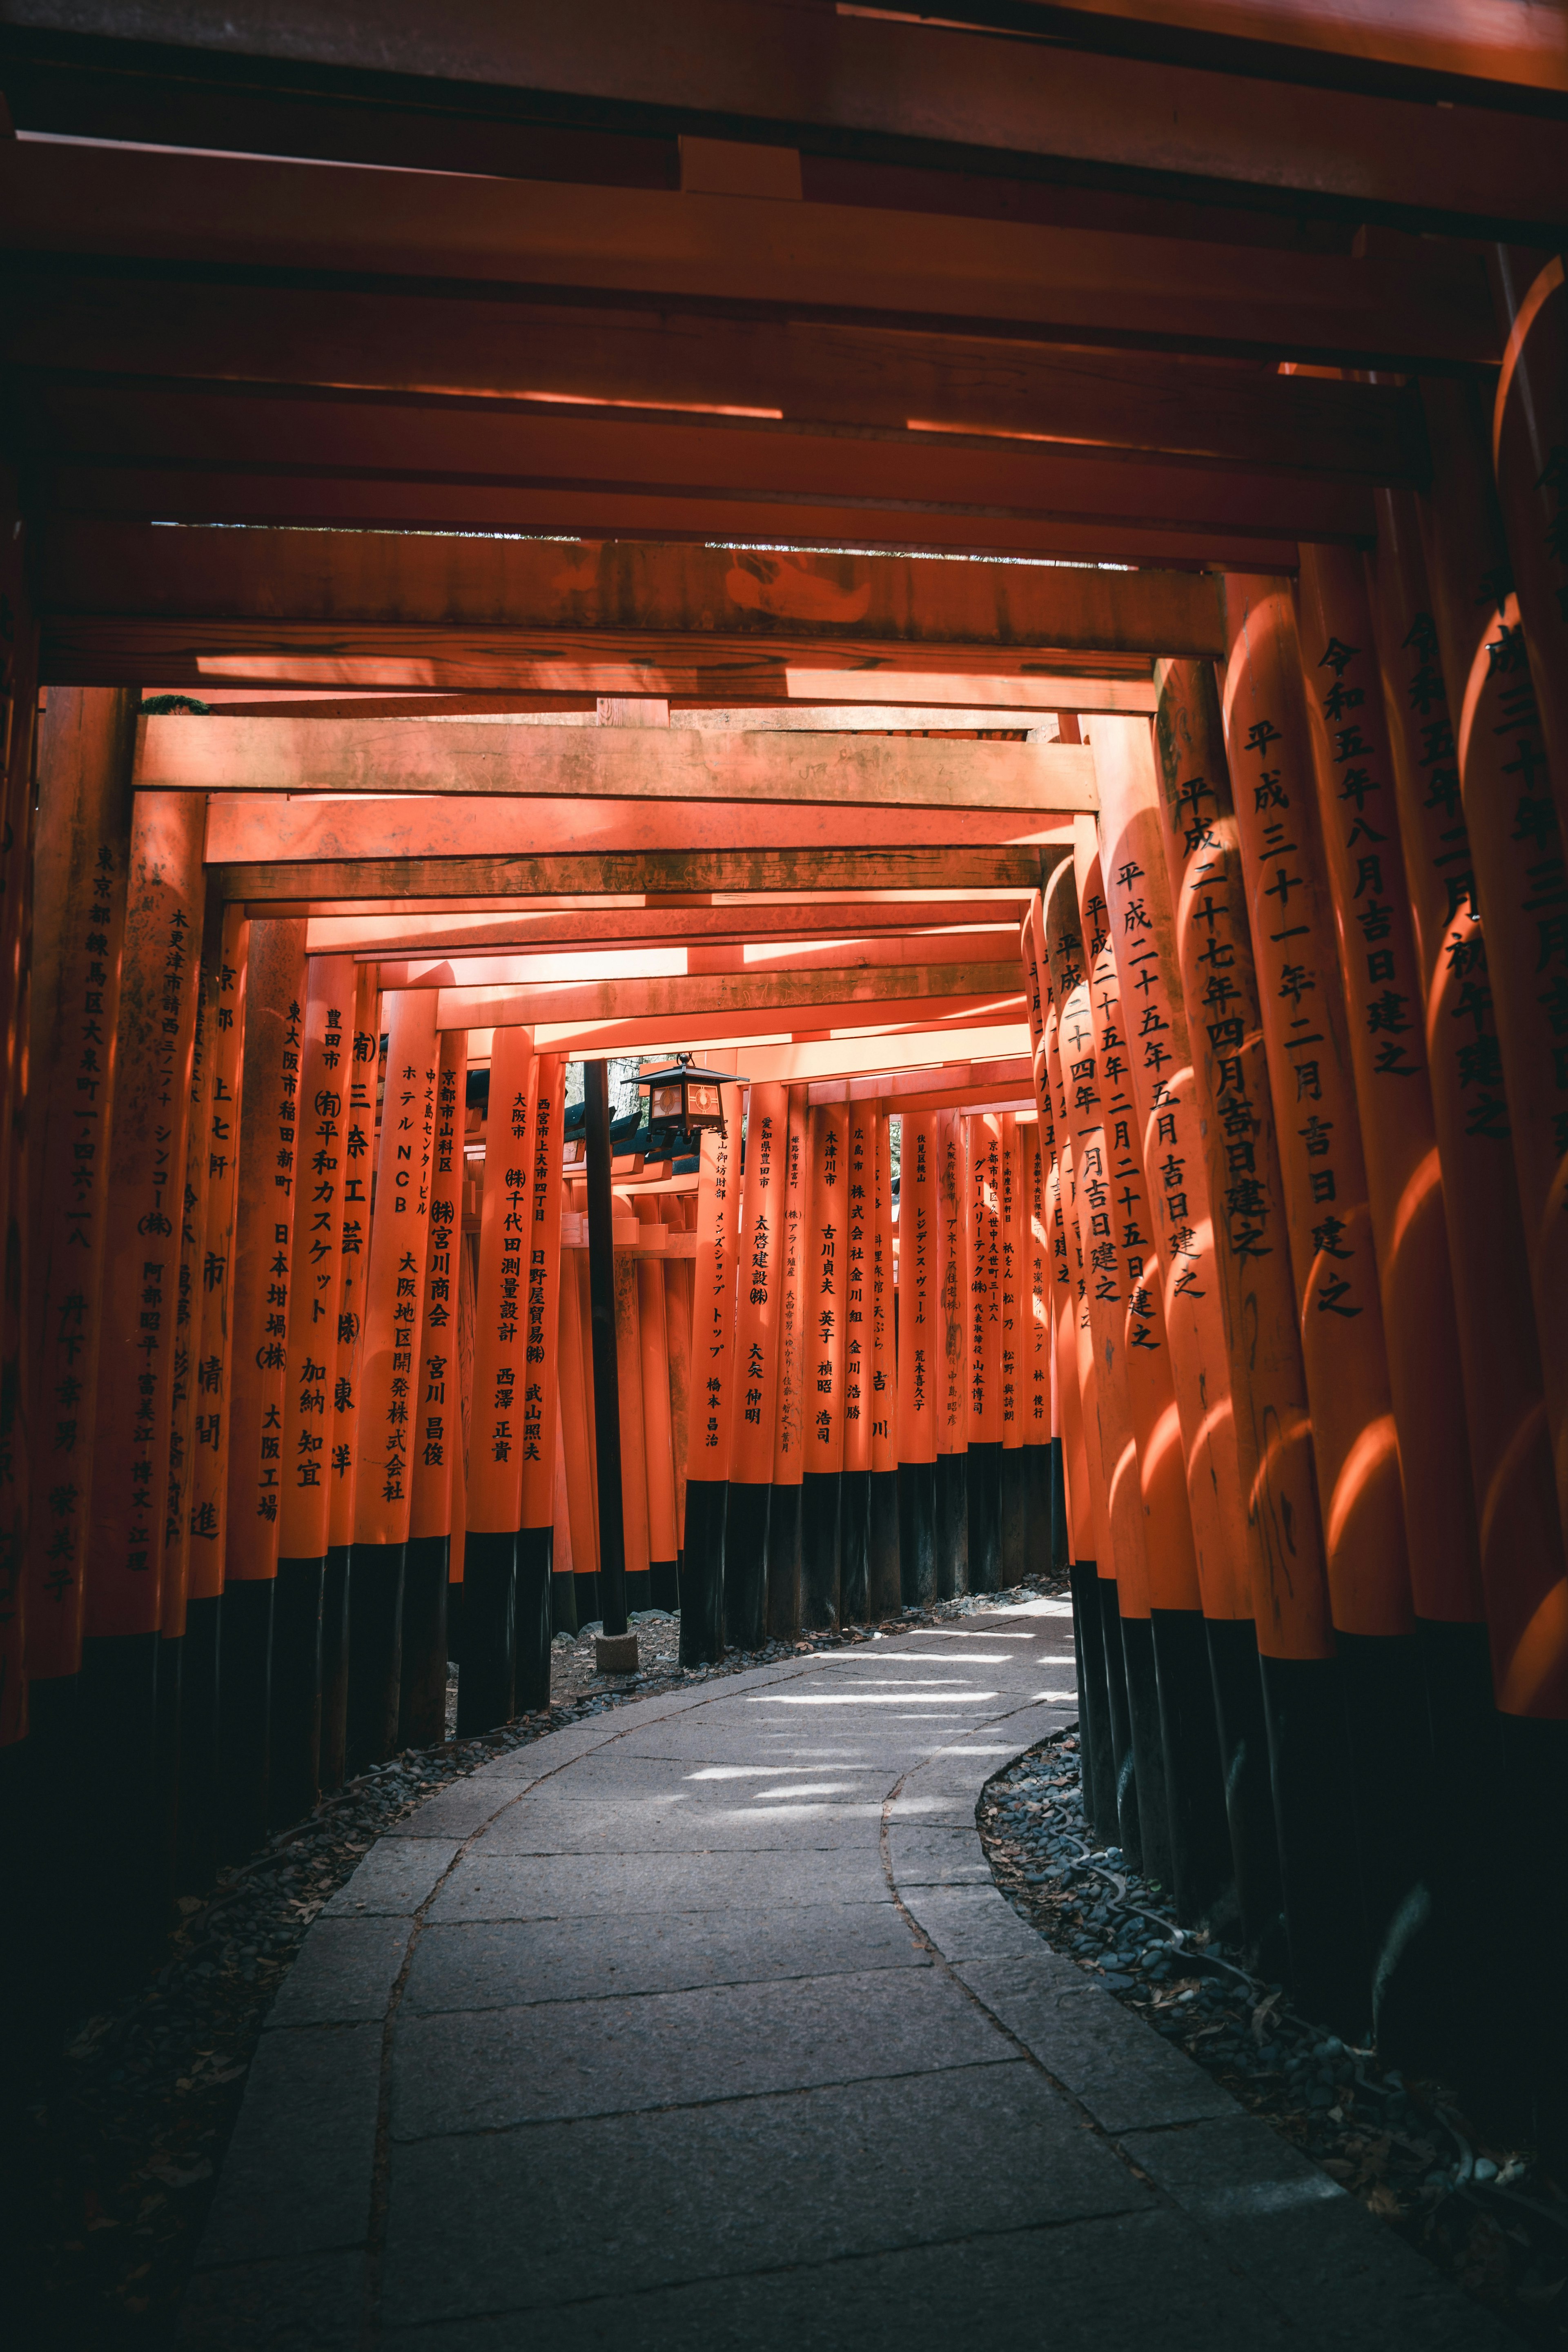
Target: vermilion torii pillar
712	1399
919	1356
756	1369
1182	1264
268	1161
175	1563
577	1445
1015	1494
488	1665
1529	452
952	1535
541	1386
679	1212
305	1509
629	1404
855	1510
395	1282
884	1572
823	1325
653	1326
789	1412
1038	1436
1508	1441
437	1421
359	1162
1304	1689
983	1465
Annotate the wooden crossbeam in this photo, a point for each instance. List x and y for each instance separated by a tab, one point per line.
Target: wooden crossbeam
777	1000
746	959
388	938
326	883
946	1016
482	758
876	1058
244	826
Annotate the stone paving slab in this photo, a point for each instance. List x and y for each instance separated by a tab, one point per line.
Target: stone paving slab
811	2084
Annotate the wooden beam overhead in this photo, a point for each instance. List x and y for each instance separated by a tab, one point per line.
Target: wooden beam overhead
327	882
779	1000
481	759
759	962
754	256
376	936
77	330
641	1035
874	1057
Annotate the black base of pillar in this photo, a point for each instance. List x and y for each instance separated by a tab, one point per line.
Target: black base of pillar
1015	1510
1194	1784
1535	1793
917	1534
1474	2035
664	1584
564	1601
1148	1751
983	1478
1061	1535
1124	1775
639	1588
1235	1671
855	1546
375	1653
1096	1746
819	1501
1391	1761
247	1720
42	1819
294	1782
170	1667
195	1851
590	1608
455	1623
746	1566
335	1585
535	1548
784	1563
1314	1820
422	1670
884	1576
486	1668
1037	1494
702	1560
951	1537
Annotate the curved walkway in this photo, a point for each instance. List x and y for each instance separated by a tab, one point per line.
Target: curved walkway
701	2024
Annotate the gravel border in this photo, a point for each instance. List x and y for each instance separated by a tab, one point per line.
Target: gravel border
1488	2217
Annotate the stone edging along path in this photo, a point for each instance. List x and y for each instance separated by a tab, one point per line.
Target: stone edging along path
1199	2224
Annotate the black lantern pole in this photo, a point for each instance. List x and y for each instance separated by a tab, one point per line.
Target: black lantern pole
606	1375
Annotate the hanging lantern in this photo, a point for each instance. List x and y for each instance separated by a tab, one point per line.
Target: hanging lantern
686	1097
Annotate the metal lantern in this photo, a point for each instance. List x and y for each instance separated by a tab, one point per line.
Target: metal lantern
686	1097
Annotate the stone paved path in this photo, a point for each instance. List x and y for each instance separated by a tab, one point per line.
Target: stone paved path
701	2024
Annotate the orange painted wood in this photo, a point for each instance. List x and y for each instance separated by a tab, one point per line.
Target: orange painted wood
1142	1356
792	1390
883	1377
561	1561
1528	451
315	1276
1358	820
946	1017
771	952
268	826
1510	1442
486	758
1170	1131
331	885
174	1566
495	1457
267	1189
679	1284
921	1331
81	860
633	1442
1074	1347
1074	911
757	1286
160	977
825	1286
575	1436
881	929
711	1409
1037	1410
214	1342
1517	858
860	1140
1328	1217
1013	1293
984	1253
359	1160
952	1261
437	1425
1288	1574
541	1382
395	1275
663	1537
